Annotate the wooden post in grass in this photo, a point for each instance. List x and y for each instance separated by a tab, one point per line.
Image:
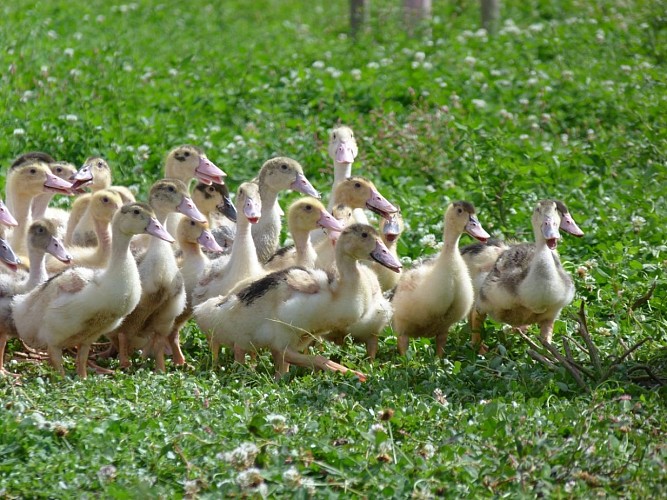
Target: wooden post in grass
359	10
490	10
415	12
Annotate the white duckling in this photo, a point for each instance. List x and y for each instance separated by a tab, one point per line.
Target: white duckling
527	284
96	175
431	297
42	239
285	310
6	217
40	204
277	174
102	207
162	291
342	150
79	305
213	200
304	215
24	182
242	263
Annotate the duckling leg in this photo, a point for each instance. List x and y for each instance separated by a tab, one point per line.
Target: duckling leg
318	362
56	359
175	344
82	360
547	331
402	342
3	343
239	355
158	353
440	342
215	352
282	367
123	350
372	347
476	326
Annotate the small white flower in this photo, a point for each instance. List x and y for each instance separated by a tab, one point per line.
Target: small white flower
71	118
428	240
75	72
107	473
524	137
52	34
250	478
599	36
428	66
536	27
19	131
524	102
625	68
100	18
373	65
590	134
242	456
356	73
637	222
479	103
567	75
173	72
414	64
470	60
420	56
68	52
77	36
292	477
319	65
427	451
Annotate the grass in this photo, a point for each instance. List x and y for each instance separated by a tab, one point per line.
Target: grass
566	101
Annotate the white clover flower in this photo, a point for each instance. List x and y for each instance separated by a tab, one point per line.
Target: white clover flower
637	222
19	131
319	65
242	456
428	66
376	427
335	73
531	82
44	69
564	138
69	52
75	72
414	64
172	72
567	75
77	36
479	103
356	73
625	68
590	134
292	477
385	61
71	118
599	35
449	184
470	60
524	137
107	473
250	478
506	115
373	65
128	67
536	27
385	447
427	451
52	34
420	56
100	18
524	102
428	240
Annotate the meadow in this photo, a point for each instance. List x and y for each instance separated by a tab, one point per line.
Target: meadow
567	100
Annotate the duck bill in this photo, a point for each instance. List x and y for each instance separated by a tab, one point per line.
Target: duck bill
207	241
345	153
156	229
55	184
550	233
568	225
6	217
302	185
57	249
81	177
187	207
228	209
7	256
208	173
252	211
328	221
391	229
475	229
383	256
378	204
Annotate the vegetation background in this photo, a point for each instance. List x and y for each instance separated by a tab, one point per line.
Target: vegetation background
567	100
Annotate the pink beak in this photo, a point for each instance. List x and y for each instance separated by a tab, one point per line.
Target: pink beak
382	255
328	221
188	208
568	225
379	204
208	173
252	211
6	217
56	248
302	185
154	228
475	229
345	153
54	183
207	241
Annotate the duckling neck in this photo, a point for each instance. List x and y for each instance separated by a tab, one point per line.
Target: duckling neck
21	212
122	267
103	233
40	203
304	249
348	270
194	262
243	261
341	172
38	272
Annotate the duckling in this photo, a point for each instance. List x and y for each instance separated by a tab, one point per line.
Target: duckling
79	305
353	193
193	237
277	174
527	284
96	175
304	215
162	291
390	231
213	200
481	257
342	150
40	204
242	264
430	298
102	207
7	255
24	182
284	310
42	239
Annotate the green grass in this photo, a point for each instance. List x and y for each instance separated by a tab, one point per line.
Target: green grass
566	101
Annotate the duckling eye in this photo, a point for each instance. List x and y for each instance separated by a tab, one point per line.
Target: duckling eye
364	235
33	170
136	211
192	223
186	153
40	230
59	170
100	164
211	189
283	166
334	136
308	207
357	184
171	189
460	211
105	200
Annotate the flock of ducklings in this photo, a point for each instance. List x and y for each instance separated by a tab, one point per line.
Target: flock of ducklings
135	273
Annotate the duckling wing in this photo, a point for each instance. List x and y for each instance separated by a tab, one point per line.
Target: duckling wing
300	280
